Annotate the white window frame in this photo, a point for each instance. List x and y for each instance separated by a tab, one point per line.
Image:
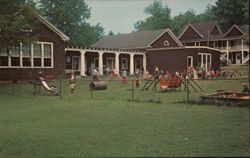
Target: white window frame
32	57
20	59
192	61
126	61
206	55
113	62
166	43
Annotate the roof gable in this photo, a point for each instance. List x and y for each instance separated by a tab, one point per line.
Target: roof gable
135	40
190	32
169	36
234	31
52	27
216	30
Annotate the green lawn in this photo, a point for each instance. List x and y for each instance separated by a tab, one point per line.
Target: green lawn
109	125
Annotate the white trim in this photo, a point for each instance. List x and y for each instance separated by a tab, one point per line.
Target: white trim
186	47
105	50
192	60
166	43
185	29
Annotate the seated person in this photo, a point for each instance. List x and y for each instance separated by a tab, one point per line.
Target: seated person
245	88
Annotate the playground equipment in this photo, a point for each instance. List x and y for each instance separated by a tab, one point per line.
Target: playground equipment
115	75
154	80
173	82
170	83
193	84
97	85
52	88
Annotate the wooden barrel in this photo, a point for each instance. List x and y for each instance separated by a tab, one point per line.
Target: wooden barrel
99	85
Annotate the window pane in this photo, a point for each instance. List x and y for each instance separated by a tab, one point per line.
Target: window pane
47	62
3	52
37	62
47	50
124	63
15	61
3	61
26	62
26	50
37	50
15	51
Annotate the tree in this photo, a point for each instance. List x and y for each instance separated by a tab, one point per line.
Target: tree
110	33
178	22
207	15
70	17
159	17
229	12
16	23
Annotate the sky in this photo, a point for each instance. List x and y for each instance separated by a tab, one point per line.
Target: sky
119	16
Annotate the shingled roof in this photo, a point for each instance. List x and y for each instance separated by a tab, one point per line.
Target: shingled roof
135	40
204	30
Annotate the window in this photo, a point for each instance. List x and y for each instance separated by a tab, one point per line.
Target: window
124	63
3	57
15	56
47	55
37	55
166	43
26	55
204	60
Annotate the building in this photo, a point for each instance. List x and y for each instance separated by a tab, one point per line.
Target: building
143	50
232	44
47	54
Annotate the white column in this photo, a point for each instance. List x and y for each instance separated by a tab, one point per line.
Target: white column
227	52
144	62
242	51
83	68
131	64
100	65
117	62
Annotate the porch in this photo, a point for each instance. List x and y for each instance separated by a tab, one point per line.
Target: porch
83	60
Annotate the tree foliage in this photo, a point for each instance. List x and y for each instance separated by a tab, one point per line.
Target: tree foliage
229	12
226	12
159	17
182	19
16	22
70	17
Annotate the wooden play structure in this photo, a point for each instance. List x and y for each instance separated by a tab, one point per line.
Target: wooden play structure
171	82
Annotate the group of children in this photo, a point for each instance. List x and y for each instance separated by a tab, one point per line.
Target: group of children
72	79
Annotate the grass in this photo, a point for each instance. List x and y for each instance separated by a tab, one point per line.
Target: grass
109	125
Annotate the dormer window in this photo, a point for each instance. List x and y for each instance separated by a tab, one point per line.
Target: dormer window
166	43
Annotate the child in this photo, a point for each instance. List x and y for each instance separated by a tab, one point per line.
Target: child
72	82
124	76
137	85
